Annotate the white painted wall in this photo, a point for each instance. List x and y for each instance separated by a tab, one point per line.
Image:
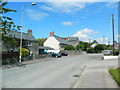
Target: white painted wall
52	42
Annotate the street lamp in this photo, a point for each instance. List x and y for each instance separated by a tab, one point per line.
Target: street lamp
20	55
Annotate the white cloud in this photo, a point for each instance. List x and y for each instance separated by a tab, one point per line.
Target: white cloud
67	23
84	34
68	7
36	15
81	0
104	40
46	8
63	1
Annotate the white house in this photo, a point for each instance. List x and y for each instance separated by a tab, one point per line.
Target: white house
93	45
56	42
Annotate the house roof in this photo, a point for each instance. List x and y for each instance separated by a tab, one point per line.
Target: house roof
73	38
25	36
45	47
61	40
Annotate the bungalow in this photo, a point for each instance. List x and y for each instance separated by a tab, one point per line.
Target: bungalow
56	42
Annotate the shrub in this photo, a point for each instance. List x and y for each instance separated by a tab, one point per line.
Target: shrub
24	52
116	52
69	47
90	50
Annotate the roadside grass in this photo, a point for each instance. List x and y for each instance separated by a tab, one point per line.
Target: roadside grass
116	74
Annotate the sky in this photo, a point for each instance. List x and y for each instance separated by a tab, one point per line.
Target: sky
85	20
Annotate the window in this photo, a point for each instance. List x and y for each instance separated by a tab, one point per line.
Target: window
30	51
29	43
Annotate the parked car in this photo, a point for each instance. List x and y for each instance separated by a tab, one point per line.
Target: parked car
107	52
63	53
56	55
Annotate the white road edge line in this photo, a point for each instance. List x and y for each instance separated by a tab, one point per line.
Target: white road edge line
80	77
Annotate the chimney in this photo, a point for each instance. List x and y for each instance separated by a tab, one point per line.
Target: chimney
29	32
51	34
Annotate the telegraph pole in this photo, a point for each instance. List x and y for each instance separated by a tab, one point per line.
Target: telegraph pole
113	31
104	42
89	40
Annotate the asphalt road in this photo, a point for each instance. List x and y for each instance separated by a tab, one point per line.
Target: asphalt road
59	73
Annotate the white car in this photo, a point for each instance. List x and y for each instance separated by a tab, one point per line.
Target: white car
107	52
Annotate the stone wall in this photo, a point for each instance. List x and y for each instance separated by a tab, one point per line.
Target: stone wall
73	52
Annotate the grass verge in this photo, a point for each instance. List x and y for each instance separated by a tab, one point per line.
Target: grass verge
116	74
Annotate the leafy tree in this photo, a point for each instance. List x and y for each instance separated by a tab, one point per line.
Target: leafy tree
7	25
7	22
41	41
83	46
94	42
79	47
98	48
9	42
90	50
69	47
107	47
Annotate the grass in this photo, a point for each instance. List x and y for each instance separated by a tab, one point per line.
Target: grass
116	74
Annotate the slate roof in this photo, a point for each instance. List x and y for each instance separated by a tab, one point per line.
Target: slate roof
73	38
63	41
45	47
25	36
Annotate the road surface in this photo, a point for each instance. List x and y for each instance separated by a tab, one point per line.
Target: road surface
58	73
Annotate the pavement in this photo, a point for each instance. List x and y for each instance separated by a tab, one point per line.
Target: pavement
96	75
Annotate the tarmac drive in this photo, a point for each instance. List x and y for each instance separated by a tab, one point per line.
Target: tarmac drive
62	72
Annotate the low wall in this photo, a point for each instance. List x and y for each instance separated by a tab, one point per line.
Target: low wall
110	57
42	56
73	52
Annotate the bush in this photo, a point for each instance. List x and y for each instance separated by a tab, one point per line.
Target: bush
116	52
90	50
69	47
98	48
24	52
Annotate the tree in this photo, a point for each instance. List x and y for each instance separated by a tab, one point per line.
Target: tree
9	42
41	41
79	47
83	46
98	48
90	50
7	25
69	47
7	22
94	42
